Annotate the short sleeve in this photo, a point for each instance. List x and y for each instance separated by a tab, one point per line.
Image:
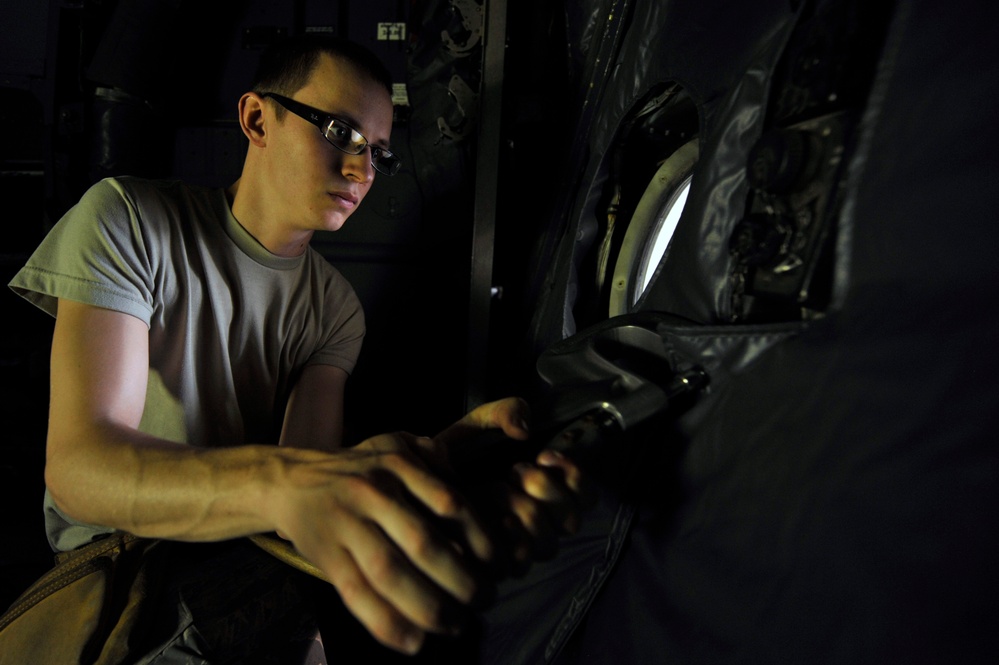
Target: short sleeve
96	254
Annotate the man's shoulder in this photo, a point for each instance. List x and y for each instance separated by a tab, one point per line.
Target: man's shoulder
334	282
138	188
159	202
137	192
318	263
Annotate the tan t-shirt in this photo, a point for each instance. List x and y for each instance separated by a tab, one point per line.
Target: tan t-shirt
230	324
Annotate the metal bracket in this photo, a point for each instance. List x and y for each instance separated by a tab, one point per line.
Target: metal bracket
471	14
467	102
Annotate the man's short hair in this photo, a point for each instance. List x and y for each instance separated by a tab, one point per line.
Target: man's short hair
285	66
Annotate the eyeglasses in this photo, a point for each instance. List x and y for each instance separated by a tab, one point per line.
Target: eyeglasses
341	135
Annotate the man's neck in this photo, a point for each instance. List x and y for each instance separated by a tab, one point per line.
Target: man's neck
253	217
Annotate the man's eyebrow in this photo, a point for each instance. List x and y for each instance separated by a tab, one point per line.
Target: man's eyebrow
345	117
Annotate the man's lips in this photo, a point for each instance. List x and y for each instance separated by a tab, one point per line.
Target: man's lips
346	198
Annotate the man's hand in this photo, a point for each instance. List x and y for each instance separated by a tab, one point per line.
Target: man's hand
540	501
400	545
399	540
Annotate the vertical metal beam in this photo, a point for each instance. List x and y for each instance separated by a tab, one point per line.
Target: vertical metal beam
484	214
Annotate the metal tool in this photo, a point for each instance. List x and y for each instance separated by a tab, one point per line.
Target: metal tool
603	384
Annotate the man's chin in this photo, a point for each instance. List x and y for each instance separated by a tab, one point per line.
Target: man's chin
334	223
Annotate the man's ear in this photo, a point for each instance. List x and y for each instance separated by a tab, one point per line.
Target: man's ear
251	118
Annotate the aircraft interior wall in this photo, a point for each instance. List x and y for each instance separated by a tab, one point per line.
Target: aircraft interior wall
830	496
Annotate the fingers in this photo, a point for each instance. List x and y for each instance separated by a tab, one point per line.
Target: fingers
540	503
531	528
379	616
396	605
396	541
559	506
443	501
394	572
418	571
535	509
571	476
509	415
436	551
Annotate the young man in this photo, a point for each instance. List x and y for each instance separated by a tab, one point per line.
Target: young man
194	327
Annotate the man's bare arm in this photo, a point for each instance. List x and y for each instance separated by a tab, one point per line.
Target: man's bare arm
100	469
351	513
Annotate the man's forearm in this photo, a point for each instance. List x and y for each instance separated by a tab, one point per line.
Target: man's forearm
127	480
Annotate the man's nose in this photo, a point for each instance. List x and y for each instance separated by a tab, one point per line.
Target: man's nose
358	167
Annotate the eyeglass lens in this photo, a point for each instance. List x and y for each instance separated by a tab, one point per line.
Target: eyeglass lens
345	137
352	142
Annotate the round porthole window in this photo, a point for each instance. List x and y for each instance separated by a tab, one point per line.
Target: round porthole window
651	228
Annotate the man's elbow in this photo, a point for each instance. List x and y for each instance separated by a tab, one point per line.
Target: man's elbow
66	481
60	489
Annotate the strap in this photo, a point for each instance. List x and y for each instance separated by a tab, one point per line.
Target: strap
286	552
